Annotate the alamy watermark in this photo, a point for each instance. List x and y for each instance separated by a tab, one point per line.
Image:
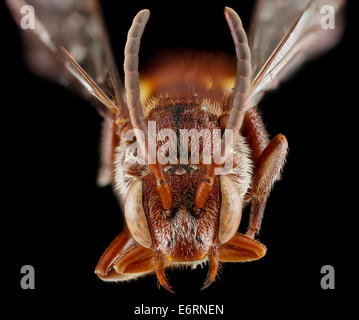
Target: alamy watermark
192	146
327	22
328	279
28	19
28	279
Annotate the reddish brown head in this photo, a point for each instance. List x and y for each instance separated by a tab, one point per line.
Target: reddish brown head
181	210
185	233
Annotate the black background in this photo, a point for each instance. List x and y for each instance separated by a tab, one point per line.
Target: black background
56	218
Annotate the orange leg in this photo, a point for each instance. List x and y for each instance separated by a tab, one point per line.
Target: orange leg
240	249
267	171
253	129
124	259
268	158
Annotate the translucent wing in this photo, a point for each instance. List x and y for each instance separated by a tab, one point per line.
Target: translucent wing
70	42
284	34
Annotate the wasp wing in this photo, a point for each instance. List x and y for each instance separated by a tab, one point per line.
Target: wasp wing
284	34
69	42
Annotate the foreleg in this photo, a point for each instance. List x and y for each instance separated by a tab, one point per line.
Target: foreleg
267	171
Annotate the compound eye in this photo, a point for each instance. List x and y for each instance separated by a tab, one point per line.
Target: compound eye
231	209
135	216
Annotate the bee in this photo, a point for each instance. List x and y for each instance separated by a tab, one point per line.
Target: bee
181	212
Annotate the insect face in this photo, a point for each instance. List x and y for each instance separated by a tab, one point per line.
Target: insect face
187	234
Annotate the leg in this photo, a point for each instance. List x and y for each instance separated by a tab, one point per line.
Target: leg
241	249
124	259
253	129
267	171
